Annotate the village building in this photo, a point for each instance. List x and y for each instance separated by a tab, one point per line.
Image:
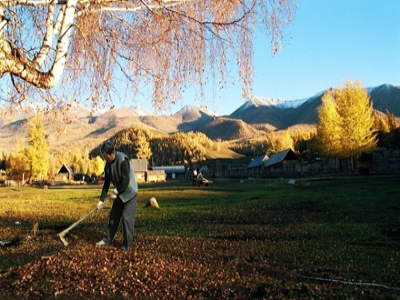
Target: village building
172	172
255	167
281	162
140	169
65	174
156	176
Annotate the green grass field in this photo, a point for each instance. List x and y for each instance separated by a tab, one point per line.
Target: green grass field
334	238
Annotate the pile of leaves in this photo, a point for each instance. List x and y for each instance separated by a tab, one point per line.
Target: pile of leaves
162	268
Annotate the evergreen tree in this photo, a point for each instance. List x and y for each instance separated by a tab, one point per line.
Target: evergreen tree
346	121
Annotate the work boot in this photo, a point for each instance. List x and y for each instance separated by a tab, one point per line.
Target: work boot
101	243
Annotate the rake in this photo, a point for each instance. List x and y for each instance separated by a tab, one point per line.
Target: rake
63	233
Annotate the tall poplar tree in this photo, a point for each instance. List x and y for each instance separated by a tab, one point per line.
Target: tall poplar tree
37	152
346	121
328	129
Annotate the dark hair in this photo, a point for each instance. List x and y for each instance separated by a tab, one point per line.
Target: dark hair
107	147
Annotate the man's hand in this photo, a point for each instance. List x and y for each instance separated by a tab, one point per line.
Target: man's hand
100	204
114	194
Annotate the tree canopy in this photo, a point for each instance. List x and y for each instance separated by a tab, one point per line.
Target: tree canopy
86	50
346	121
32	159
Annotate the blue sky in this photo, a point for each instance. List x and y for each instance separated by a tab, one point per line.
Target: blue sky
329	42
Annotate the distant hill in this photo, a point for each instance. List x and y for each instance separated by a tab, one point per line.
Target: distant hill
189	118
70	124
386	97
285	114
224	153
229	129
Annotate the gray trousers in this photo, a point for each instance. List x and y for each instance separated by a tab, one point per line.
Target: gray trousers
127	212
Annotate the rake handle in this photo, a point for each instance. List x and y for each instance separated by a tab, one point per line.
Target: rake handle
63	233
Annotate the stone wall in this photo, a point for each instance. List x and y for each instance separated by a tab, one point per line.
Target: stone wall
386	160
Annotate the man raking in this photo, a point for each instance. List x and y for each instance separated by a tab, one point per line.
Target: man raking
119	172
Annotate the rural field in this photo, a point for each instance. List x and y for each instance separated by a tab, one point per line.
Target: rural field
331	238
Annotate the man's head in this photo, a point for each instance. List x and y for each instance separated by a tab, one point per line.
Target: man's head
107	151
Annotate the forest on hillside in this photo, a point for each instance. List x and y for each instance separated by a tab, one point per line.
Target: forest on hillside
178	148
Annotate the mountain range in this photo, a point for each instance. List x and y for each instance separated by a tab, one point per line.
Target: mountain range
73	125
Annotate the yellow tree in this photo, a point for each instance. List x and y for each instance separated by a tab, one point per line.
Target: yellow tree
279	142
328	129
16	166
391	120
96	165
380	124
142	146
346	121
56	48
37	152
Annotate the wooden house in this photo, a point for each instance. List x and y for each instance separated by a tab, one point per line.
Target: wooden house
156	176
172	172
65	174
140	168
255	167
281	162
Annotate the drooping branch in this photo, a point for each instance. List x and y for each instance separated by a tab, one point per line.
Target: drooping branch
168	44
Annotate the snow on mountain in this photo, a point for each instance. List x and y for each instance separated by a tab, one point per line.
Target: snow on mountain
140	111
190	108
277	103
190	112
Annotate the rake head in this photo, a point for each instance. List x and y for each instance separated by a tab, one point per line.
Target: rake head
63	239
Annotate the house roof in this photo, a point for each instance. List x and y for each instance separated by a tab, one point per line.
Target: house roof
258	161
171	169
66	169
280	156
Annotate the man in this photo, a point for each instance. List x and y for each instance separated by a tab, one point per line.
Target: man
119	171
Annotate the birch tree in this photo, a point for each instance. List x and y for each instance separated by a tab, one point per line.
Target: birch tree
90	50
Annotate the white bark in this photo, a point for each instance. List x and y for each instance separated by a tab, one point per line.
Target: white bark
63	42
18	64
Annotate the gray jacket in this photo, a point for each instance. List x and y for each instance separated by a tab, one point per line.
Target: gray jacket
113	172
